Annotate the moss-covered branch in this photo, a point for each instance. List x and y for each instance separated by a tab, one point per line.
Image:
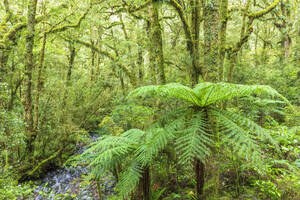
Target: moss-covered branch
130	75
32	172
233	50
179	9
67	26
144	5
265	11
11	34
249	30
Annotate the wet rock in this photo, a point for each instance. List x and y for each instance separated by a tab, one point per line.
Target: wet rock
68	184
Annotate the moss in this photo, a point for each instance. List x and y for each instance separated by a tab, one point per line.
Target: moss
265	11
13	31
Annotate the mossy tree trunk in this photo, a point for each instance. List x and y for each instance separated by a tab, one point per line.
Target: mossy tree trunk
156	46
29	66
211	26
222	38
284	28
40	78
191	31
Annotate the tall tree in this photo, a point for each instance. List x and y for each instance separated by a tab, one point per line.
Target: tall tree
156	46
29	66
211	34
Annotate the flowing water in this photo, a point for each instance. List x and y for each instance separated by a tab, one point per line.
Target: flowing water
69	183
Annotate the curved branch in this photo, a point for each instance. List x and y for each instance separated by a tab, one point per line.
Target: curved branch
264	11
249	30
179	9
75	25
11	34
112	57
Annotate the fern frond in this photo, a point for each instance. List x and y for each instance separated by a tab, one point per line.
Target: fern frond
249	125
175	90
134	134
195	141
239	139
156	140
129	179
214	92
109	151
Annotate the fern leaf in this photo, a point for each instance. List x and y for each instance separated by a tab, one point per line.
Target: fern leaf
175	90
239	138
129	179
156	140
214	92
195	141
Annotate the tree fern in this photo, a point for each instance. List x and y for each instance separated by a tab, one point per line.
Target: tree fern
195	140
205	93
191	127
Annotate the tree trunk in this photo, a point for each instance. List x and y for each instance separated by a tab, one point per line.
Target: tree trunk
199	173
232	61
211	26
93	52
29	65
71	61
156	46
284	28
40	81
222	38
146	183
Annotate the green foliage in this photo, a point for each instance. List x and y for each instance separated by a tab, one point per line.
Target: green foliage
194	141
9	189
267	189
135	150
12	139
206	93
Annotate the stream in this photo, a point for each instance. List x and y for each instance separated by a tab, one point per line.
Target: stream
69	183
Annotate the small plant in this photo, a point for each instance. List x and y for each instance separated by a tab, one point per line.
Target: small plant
267	189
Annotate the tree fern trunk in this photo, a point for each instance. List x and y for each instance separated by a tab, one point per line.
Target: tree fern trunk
199	173
146	183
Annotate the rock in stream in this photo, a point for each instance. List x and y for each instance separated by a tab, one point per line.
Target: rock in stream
70	184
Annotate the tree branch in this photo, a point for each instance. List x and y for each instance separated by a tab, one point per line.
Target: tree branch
75	25
186	27
112	57
264	11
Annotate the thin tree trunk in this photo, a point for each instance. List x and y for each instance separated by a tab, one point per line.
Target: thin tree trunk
232	62
40	81
146	183
71	61
222	38
29	65
140	64
93	52
199	173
